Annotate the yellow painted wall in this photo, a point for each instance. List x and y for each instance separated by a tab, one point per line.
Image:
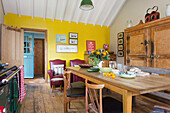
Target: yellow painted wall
85	32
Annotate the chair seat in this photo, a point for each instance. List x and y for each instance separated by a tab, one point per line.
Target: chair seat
56	79
75	92
78	84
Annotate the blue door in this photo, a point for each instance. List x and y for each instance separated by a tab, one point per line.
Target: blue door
28	55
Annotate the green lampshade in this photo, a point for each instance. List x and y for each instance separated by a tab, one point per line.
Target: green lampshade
86	5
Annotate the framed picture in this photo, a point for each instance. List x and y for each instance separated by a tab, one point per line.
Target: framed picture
73	41
60	38
120	53
73	35
120	47
120	41
66	48
90	45
120	35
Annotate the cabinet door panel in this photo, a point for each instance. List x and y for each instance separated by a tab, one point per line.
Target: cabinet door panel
161	39
162	63
12	44
136	42
135	61
161	49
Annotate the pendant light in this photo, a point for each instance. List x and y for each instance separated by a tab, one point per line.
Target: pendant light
86	5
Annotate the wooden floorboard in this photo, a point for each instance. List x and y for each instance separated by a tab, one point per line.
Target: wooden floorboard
40	99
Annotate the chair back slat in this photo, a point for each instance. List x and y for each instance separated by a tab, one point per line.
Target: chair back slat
93	97
92	100
67	76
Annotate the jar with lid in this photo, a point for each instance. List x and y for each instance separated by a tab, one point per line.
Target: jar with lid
129	24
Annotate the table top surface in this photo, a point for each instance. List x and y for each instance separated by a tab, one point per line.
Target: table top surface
139	85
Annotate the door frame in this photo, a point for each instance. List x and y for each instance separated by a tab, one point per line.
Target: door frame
46	46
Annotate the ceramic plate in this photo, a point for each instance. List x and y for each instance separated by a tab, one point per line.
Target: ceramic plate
123	75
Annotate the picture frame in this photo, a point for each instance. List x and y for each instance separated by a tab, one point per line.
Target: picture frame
120	35
90	45
61	38
73	41
120	53
66	48
73	35
120	47
120	41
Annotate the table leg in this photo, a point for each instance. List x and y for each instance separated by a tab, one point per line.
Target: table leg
86	99
127	101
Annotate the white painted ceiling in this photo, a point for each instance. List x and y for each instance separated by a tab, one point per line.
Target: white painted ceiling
104	11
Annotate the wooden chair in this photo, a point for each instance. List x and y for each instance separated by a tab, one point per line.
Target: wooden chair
166	109
95	104
71	93
74	62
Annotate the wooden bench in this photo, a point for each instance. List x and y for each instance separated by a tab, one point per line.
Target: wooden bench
162	98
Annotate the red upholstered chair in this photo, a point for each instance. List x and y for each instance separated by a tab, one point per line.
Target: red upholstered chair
56	72
72	64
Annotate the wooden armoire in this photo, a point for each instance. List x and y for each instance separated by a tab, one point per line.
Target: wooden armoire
148	44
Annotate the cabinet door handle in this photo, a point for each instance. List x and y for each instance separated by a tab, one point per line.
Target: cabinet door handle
146	42
154	56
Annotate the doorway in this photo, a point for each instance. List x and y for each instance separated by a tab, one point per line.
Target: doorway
34	54
39	58
45	47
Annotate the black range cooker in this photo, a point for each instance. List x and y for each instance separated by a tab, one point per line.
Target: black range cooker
9	92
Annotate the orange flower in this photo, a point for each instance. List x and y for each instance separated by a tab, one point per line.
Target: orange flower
104	53
98	52
92	52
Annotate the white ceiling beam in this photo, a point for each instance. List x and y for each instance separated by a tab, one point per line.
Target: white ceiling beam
108	12
64	6
78	16
99	11
87	18
73	10
45	9
32	7
4	11
119	5
55	12
18	7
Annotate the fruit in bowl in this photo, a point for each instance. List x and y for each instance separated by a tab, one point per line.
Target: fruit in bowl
85	65
110	75
105	69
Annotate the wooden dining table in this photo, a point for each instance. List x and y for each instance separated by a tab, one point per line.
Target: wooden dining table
126	87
